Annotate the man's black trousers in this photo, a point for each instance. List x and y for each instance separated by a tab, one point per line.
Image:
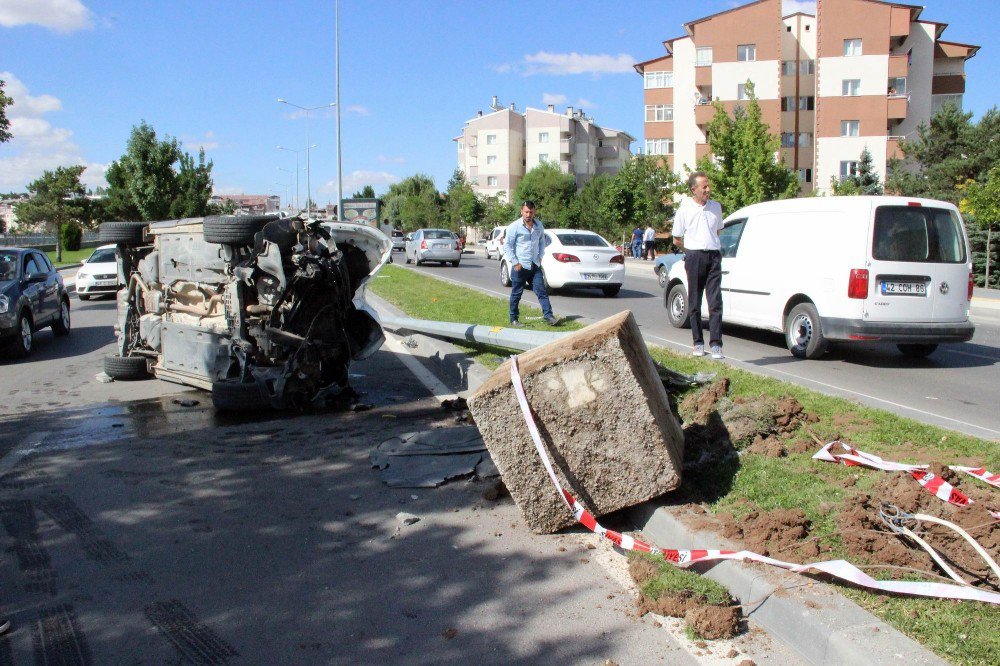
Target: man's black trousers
704	274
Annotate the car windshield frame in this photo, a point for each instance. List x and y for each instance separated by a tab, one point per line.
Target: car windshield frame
91	259
10	260
575	238
438	234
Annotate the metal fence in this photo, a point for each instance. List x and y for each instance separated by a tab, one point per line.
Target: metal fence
43	241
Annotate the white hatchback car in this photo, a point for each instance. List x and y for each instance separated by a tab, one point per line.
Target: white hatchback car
99	274
577	258
494	244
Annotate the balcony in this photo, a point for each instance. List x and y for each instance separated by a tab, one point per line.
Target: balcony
564	147
896	108
605	152
898	66
565	166
703	113
703	75
892	149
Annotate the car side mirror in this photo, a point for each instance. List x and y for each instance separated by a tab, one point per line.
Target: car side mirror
35	277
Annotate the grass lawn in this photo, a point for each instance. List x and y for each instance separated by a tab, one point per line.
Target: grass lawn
70	256
961	632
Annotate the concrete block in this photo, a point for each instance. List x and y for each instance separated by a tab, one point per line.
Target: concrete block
602	412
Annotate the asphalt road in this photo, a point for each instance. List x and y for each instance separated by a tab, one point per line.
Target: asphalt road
957	387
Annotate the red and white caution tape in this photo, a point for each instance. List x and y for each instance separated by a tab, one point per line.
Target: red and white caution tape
685	558
980	473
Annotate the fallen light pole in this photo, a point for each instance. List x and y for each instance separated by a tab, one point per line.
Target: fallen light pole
498	336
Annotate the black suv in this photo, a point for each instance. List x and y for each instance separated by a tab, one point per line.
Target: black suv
32	296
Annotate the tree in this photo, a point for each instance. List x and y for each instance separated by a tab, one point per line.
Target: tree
367	192
981	202
743	169
552	191
640	193
497	212
58	198
865	181
194	187
588	207
5	101
462	206
413	203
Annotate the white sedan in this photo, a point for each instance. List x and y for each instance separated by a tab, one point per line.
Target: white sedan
98	274
577	258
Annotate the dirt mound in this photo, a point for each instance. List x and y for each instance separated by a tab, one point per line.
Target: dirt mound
869	541
702	403
778	533
770	447
710	621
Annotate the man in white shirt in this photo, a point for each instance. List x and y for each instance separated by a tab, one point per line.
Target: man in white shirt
649	240
696	229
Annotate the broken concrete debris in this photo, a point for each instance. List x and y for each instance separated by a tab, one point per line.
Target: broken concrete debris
428	459
603	412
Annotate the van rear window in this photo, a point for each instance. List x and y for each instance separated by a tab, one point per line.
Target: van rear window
924	234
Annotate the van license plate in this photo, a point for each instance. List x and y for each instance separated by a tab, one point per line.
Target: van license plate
595	276
905	288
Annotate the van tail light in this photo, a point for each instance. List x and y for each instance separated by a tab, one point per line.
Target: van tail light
565	258
857	287
617	259
423	245
972	284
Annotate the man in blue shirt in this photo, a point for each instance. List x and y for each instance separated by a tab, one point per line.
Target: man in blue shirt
523	247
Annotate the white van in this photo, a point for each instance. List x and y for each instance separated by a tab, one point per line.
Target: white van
843	269
494	244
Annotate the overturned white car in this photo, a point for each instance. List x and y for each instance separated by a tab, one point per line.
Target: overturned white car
258	309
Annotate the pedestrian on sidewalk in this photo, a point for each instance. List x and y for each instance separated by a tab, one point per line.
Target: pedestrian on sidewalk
523	248
649	243
696	230
636	242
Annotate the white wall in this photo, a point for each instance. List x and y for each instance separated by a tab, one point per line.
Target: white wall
727	75
686	132
919	78
832	150
873	70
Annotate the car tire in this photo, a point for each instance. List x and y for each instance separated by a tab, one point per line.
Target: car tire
25	340
915	350
232	395
676	304
804	332
661	276
505	274
417	261
455	263
408	259
611	292
126	233
83	297
61	325
126	368
233	229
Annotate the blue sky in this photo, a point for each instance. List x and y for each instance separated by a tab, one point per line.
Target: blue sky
209	72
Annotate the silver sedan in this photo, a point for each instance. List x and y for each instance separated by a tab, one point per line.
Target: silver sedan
433	245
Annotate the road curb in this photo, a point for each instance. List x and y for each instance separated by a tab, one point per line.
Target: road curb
810	617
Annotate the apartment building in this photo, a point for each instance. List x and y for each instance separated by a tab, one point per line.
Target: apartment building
496	149
249	204
858	74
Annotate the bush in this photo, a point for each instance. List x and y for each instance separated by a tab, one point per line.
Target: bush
72	236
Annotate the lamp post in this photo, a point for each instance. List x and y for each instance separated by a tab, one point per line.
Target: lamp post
297	206
307	110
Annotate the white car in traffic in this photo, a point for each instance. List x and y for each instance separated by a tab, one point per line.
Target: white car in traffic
577	258
99	274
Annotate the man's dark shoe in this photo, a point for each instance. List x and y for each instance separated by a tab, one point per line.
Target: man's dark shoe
516	324
552	320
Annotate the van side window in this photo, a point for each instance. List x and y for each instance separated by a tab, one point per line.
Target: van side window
918	234
730	237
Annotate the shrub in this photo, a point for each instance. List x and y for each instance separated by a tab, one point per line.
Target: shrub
72	236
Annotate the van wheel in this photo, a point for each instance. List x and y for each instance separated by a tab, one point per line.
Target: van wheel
804	332
505	274
676	303
232	395
661	276
917	350
126	367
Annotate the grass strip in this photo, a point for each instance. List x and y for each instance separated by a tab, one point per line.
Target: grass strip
70	256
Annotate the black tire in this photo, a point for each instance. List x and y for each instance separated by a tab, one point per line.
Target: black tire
61	325
408	259
804	332
676	304
505	274
126	233
233	229
914	350
455	263
83	297
661	276
232	395
417	261
611	292
126	368
24	342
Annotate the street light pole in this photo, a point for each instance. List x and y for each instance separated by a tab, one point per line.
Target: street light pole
340	182
308	109
289	171
297	169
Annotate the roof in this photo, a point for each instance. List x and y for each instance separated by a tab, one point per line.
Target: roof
642	64
688	25
970	49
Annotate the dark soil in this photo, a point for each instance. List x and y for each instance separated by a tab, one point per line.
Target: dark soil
713	622
778	533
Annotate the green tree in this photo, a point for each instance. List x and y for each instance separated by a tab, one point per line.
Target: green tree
194	187
552	191
413	203
497	212
981	203
588	207
743	169
866	181
462	206
366	192
640	193
5	101
57	199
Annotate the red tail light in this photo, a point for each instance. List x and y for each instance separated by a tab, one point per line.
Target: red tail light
857	287
565	258
423	245
972	284
618	259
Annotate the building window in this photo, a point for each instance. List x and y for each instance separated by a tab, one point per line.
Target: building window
788	68
491	139
461	146
659	113
543	137
897	86
659	146
741	91
788	28
543	158
788	139
746	52
491	181
807	103
787	103
491	159
805	175
807	66
938	101
805	138
852	47
851	87
848	169
850	127
703	56
659	80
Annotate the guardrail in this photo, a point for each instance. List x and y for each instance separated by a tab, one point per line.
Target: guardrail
44	241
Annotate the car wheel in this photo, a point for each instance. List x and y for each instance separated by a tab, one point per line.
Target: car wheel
914	350
232	395
505	274
661	276
233	229
417	261
804	332
24	342
126	233
126	367
61	326
676	302
407	255
83	297
611	292
455	263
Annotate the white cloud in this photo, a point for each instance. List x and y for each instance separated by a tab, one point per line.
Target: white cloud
394	159
795	6
58	15
37	146
357	109
502	69
553	98
206	143
584	103
559	64
357	179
